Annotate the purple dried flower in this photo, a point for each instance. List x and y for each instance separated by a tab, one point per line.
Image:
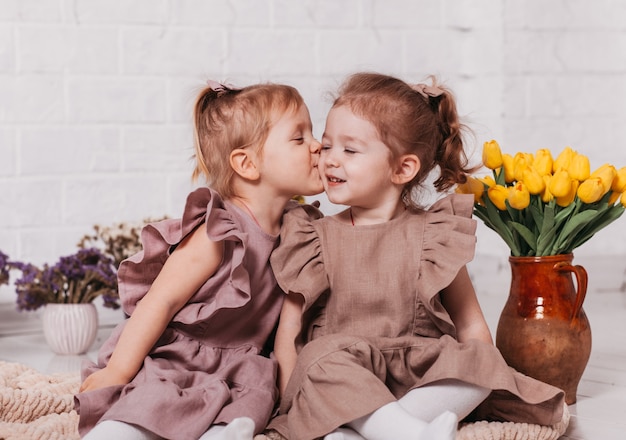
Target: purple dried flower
4	268
71	267
76	278
33	288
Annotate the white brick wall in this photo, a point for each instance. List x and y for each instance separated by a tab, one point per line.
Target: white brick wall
95	95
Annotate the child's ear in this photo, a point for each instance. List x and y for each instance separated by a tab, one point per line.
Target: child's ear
408	166
243	163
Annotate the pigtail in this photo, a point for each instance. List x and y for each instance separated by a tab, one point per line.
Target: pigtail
202	102
447	138
450	155
209	118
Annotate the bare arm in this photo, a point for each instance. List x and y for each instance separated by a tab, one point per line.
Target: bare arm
460	300
289	327
195	260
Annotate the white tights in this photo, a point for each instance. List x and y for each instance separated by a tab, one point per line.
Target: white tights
429	412
453	395
110	429
239	429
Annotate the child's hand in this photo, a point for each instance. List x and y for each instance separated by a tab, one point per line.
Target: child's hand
101	379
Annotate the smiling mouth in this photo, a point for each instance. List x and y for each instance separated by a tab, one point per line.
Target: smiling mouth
334	180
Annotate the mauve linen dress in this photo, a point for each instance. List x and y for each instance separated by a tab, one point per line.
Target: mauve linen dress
208	365
374	326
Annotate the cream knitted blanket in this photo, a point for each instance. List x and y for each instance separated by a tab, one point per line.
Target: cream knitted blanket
37	406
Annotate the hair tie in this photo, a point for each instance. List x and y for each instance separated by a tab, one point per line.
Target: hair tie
220	88
427	91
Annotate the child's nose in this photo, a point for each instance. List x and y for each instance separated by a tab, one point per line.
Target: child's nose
316	146
329	158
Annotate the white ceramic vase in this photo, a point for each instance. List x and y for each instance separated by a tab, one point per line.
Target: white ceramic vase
70	328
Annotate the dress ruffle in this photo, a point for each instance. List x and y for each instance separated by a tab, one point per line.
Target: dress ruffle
449	244
297	262
137	273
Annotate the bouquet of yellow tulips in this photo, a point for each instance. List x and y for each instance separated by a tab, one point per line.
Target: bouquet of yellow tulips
542	205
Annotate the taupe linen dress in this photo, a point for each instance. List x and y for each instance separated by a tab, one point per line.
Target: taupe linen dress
207	367
374	326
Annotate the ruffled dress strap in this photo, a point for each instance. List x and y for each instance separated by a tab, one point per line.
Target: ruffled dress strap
297	261
448	245
137	273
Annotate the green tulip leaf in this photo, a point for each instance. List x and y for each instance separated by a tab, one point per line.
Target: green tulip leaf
571	228
547	233
499	176
537	216
500	226
561	214
480	212
515	214
526	234
601	221
545	243
548	220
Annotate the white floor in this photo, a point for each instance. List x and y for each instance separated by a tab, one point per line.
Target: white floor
600	410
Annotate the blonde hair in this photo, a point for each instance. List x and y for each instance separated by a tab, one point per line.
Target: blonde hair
226	119
411	122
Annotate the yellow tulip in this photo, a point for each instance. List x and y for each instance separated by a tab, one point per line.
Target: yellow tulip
560	183
606	173
492	156
591	190
509	168
563	160
569	197
533	180
619	182
521	161
623	199
614	197
519	197
543	162
579	167
498	195
472	186
528	157
546	195
488	180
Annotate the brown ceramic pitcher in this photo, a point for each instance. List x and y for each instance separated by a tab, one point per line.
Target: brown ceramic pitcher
543	331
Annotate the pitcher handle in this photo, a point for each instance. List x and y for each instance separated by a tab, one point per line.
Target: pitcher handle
581	284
